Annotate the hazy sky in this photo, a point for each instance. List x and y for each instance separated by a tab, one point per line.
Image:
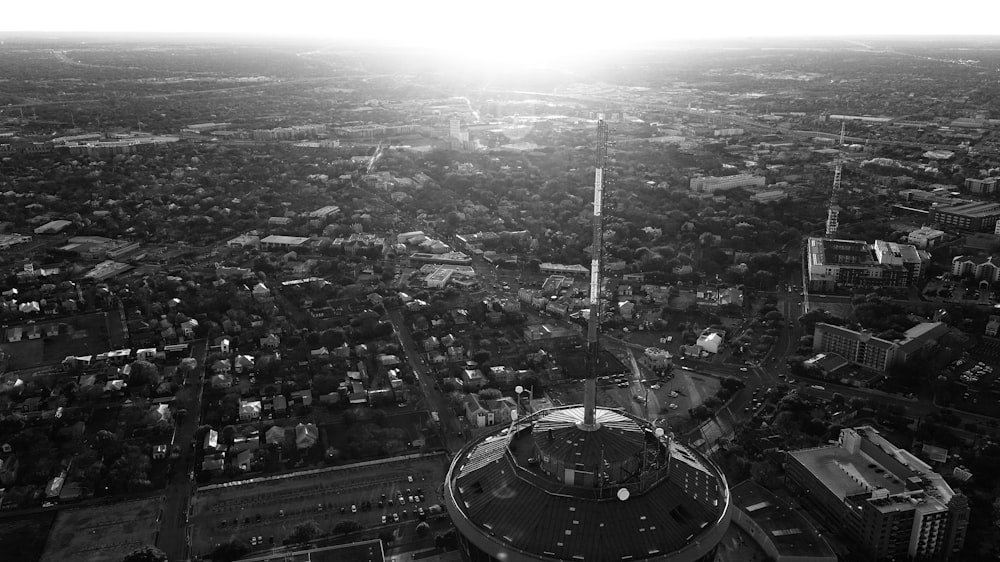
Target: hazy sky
489	25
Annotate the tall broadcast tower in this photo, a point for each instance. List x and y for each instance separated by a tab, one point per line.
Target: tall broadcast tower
833	210
596	263
582	482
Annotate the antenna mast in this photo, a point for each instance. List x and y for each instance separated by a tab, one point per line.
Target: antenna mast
596	263
833	210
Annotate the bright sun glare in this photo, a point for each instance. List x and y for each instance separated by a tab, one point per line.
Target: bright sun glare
512	29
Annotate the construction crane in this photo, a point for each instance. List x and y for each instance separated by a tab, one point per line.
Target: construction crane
833	209
596	262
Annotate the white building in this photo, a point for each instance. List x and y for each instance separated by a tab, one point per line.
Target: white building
926	237
710	342
656	358
711	184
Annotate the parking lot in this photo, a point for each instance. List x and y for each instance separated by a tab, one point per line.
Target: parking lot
264	513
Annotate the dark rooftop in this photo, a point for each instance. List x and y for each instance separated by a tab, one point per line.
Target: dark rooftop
499	485
791	534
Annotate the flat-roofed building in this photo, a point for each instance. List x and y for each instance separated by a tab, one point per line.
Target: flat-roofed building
438	278
925	237
53	227
783	533
836	263
551	336
325	212
985	185
561	269
280	242
866	350
244	240
769	196
888	500
457	258
10	240
711	184
973	216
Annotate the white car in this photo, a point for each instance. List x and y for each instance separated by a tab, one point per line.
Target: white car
673	406
655	386
674	394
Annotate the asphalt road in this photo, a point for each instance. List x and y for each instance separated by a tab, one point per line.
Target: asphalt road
450	427
173	538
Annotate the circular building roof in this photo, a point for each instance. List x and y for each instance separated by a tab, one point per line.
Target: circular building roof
548	488
616	437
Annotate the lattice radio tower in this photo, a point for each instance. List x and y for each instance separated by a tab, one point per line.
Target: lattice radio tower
596	263
833	209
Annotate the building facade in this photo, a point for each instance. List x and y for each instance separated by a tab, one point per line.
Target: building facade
983	186
711	184
866	350
884	497
925	237
836	263
972	216
982	268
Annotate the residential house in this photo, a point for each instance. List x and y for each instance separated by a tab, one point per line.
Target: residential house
270	341
473	378
243	364
214	464
306	435
502	374
626	309
500	410
188	327
249	410
343	351
211	440
475	413
221	367
280	405
275	436
710	342
388	361
260	292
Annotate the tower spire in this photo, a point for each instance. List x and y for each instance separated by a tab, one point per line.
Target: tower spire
596	263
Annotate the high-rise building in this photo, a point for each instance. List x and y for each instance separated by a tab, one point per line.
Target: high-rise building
887	499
